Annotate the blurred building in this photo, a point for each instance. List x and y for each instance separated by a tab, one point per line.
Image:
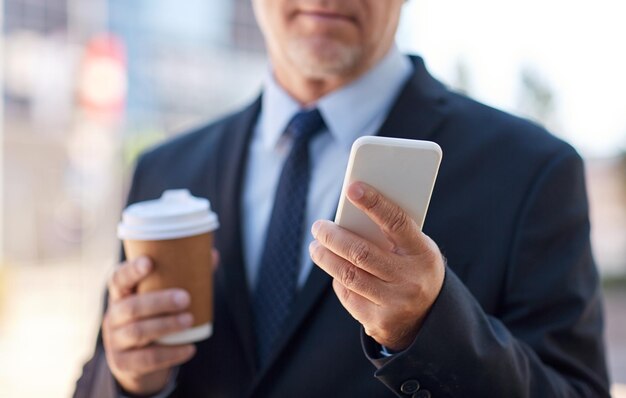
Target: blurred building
182	66
43	16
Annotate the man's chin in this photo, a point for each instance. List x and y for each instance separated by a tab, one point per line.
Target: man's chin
325	60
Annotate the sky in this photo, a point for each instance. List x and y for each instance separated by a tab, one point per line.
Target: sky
578	48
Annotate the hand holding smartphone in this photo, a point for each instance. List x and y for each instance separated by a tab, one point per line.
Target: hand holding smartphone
402	170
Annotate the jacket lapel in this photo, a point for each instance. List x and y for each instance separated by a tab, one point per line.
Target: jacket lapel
418	111
232	161
420	108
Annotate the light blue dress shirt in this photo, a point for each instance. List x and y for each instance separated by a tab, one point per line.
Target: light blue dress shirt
356	110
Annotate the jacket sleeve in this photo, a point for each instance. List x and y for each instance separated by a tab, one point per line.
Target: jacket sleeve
546	338
96	380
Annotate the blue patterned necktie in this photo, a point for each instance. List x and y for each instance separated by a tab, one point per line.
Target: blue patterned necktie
280	261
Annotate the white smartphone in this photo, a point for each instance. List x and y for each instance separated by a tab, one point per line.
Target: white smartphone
403	170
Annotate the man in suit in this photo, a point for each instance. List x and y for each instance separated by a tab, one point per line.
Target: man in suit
513	310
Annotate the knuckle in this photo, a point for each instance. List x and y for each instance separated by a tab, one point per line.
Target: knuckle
410	304
369	330
148	359
382	331
345	295
348	276
117	280
172	324
129	309
135	333
134	274
359	253
326	236
372	328
398	221
414	295
437	259
373	292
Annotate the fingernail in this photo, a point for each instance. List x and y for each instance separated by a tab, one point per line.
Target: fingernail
315	228
185	319
143	264
181	299
356	191
313	246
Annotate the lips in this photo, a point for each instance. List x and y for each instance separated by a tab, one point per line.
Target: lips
325	15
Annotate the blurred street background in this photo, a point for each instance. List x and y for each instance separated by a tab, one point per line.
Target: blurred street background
87	85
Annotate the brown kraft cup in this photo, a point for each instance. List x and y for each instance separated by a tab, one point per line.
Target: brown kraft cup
176	233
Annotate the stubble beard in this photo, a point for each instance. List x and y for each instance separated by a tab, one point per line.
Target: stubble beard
323	59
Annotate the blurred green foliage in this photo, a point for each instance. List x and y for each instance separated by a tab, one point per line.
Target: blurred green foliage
617	282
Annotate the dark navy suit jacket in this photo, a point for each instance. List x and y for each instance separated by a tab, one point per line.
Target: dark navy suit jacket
520	311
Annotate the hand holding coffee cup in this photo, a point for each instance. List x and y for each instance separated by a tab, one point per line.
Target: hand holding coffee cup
163	293
134	321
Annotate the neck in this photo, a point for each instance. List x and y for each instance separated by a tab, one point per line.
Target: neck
307	90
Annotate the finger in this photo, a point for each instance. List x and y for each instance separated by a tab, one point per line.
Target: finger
126	277
153	358
354	249
390	217
152	304
358	306
349	275
141	333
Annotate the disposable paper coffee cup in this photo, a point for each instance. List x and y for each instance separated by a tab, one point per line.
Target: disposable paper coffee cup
176	233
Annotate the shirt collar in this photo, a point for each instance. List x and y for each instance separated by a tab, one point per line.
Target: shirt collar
347	111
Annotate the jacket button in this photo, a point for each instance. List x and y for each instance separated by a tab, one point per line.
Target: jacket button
410	387
422	394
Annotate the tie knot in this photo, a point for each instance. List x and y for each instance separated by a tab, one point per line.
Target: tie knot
305	124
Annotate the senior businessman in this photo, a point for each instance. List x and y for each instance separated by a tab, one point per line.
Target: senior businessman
497	297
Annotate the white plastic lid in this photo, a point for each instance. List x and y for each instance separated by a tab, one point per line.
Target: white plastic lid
177	214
